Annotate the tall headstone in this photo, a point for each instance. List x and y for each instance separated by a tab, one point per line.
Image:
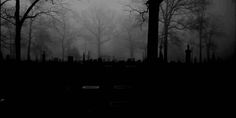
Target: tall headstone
44	56
70	59
188	52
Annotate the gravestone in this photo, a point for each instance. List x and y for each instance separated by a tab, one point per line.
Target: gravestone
44	56
70	59
188	52
8	58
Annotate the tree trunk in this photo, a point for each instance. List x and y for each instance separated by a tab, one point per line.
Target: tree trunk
200	45
18	31
1	55
152	47
166	43
208	51
30	39
99	47
131	50
63	48
201	20
18	43
131	45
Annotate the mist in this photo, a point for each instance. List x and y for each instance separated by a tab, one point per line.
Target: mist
79	18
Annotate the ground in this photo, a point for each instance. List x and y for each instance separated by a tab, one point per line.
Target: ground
161	90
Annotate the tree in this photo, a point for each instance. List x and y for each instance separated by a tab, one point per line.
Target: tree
152	8
129	28
234	57
1	6
153	25
42	39
198	21
64	29
99	22
19	20
211	31
171	15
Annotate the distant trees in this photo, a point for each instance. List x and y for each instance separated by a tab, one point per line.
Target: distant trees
132	34
36	10
129	28
64	30
99	23
210	33
172	12
42	39
1	40
198	21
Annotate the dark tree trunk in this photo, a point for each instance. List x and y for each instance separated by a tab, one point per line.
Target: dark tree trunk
1	55
18	43
208	51
18	31
200	45
152	47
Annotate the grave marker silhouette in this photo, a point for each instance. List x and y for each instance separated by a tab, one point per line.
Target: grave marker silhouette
188	52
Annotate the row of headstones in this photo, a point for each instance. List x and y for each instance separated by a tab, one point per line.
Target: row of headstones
71	59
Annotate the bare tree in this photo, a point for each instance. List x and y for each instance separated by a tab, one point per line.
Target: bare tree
42	40
211	31
198	21
129	28
1	6
64	29
18	19
171	15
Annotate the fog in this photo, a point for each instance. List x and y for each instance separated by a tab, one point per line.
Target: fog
223	9
118	35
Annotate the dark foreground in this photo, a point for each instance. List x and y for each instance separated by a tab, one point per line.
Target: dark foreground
113	90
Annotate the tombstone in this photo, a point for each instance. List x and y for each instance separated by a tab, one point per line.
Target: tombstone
213	58
44	56
188	52
195	60
56	59
8	58
70	59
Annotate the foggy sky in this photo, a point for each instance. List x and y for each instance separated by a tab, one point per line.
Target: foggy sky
222	8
